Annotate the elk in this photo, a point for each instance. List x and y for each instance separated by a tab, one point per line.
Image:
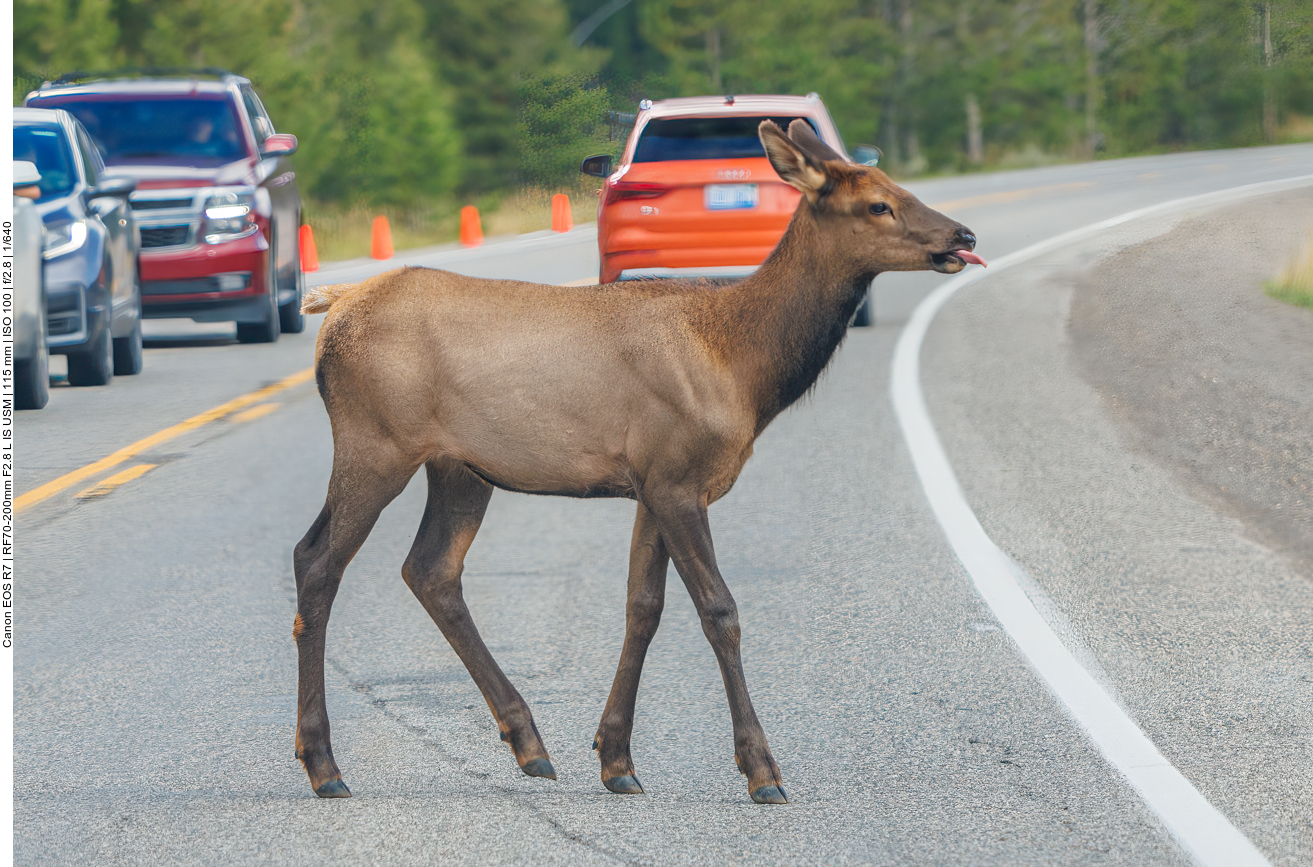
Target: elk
650	390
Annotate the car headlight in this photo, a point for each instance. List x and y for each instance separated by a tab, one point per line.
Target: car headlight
61	238
228	216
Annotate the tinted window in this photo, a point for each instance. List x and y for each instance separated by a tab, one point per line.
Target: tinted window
704	138
47	147
179	132
259	120
89	159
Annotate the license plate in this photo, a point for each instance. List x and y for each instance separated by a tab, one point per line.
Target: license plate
731	197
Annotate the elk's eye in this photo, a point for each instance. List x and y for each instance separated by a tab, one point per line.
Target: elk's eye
879	208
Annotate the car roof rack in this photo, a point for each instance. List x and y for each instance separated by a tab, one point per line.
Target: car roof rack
79	76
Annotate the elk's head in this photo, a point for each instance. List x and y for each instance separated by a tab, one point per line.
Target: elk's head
875	223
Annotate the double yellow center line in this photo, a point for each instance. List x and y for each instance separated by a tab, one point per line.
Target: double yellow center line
68	480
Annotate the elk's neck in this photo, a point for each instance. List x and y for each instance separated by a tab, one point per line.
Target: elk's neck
791	315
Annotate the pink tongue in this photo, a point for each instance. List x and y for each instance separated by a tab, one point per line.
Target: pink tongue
968	256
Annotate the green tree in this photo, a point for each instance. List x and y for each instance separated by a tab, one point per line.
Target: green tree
418	100
1015	61
52	37
1180	73
842	49
354	80
562	118
357	82
482	49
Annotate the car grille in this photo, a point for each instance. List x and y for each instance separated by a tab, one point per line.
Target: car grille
164	236
63	312
159	204
196	285
66	323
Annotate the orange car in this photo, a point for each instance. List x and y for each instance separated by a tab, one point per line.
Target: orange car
694	190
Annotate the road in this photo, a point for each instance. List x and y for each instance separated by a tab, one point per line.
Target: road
155	673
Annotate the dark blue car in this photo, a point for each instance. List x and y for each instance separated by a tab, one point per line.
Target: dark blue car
93	302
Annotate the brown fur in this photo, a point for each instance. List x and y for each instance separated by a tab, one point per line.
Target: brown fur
651	391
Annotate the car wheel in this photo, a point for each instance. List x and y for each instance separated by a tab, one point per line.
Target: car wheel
127	352
32	377
290	318
127	349
95	364
862	318
266	331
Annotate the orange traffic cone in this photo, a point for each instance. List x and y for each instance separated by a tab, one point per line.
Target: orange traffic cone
471	230
309	255
381	245
562	221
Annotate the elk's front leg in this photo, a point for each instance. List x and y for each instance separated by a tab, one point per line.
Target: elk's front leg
687	535
647	591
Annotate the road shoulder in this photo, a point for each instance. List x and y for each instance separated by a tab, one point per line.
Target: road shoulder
1207	374
1196	626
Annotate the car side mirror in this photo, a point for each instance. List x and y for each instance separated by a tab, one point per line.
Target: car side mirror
281	144
118	188
599	166
867	155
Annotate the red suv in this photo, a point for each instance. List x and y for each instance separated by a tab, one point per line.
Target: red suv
216	199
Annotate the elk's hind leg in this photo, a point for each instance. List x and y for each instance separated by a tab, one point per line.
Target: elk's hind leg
356	496
648	561
457	501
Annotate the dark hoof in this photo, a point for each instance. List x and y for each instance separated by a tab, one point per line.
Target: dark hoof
627	784
333	789
539	768
770	795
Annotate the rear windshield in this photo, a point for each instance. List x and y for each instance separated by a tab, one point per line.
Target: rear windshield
46	146
704	138
155	131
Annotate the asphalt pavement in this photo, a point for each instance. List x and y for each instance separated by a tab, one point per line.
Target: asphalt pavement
155	673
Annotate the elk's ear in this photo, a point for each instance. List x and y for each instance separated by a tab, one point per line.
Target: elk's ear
802	134
795	168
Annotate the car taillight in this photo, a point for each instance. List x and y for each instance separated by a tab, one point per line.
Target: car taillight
617	190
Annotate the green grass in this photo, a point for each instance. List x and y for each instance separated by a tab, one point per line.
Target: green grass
344	232
1295	284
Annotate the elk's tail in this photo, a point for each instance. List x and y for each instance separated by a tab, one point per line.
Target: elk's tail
320	298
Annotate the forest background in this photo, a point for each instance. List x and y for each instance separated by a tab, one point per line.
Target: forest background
416	107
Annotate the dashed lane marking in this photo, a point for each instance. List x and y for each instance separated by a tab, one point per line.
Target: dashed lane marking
104	486
1203	832
256	412
68	480
1009	196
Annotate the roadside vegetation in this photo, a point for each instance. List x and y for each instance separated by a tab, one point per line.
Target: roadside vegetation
414	108
344	231
1295	283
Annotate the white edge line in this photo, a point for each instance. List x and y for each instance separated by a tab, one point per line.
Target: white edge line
1205	834
445	253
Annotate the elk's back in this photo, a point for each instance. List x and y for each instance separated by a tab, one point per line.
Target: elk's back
573	390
